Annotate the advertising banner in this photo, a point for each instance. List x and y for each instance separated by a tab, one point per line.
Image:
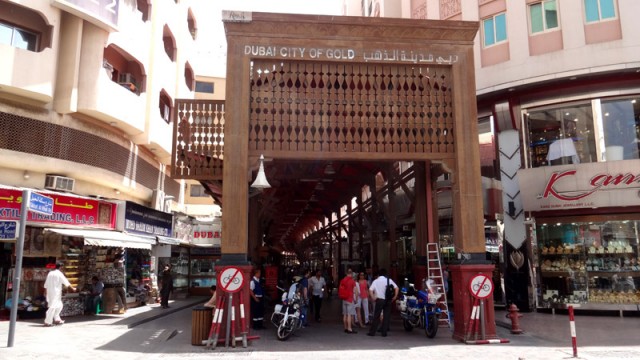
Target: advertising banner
67	210
142	220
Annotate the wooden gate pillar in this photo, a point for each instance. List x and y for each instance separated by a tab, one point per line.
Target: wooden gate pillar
423	215
468	219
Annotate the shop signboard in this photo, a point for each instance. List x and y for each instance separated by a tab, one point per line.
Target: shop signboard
8	230
138	219
207	234
65	210
593	185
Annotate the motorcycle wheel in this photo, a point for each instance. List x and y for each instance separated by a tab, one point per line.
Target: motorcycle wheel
285	329
407	325
431	328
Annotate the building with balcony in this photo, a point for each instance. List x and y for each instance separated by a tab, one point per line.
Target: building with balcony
87	93
558	93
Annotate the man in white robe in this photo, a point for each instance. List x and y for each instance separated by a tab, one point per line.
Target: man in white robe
53	291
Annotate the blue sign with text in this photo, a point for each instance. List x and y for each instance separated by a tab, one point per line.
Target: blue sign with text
8	230
41	204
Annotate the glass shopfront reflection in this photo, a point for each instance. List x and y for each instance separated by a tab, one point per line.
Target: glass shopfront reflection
621	125
583	132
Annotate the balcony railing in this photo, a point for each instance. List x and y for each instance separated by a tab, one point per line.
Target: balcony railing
114	104
26	73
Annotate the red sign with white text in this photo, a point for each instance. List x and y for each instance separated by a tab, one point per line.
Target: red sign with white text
67	210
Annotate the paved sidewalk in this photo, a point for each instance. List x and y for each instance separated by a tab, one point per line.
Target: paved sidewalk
154	333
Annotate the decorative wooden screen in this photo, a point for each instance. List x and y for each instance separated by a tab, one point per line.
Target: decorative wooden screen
350	108
198	140
331	107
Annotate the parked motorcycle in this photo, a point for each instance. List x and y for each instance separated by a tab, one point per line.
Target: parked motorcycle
287	316
418	309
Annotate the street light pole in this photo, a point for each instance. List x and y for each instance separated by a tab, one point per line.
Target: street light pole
17	273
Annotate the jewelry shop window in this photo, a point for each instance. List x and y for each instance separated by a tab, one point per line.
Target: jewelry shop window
561	135
590	262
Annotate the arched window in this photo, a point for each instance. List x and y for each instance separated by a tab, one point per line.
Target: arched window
169	43
166	106
192	24
144	7
24	28
189	76
124	69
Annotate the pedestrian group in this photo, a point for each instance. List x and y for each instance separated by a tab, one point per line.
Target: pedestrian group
366	299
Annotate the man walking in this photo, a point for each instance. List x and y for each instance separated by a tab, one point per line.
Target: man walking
382	301
346	293
317	284
53	291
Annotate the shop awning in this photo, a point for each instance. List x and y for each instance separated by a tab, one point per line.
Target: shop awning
108	238
168	240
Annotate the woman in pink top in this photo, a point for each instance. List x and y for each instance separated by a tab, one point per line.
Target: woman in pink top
364	299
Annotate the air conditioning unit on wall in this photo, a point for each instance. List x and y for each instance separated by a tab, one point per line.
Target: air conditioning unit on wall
60	183
126	78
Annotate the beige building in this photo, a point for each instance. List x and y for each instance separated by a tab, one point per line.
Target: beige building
558	88
87	93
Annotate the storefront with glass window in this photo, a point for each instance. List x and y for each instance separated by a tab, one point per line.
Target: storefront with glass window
142	264
204	254
588	131
580	192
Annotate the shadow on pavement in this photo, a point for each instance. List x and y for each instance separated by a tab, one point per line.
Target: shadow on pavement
172	335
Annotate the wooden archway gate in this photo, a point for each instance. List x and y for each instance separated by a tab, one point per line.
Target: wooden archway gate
344	88
304	87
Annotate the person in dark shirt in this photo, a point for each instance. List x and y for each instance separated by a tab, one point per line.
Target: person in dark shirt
93	298
304	294
166	286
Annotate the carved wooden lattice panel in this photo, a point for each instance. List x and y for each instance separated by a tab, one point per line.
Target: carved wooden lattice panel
198	139
353	108
418	9
449	8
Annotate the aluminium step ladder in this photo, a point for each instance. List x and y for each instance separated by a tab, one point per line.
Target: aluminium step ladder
434	273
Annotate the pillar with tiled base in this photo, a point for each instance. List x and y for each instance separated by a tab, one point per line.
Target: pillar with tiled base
246	273
461	275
